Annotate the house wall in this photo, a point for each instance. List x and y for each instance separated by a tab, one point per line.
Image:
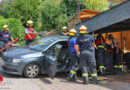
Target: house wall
73	22
120	37
127	35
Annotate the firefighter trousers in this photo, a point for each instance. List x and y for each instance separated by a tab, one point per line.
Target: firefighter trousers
117	60
73	61
73	64
87	60
101	58
109	62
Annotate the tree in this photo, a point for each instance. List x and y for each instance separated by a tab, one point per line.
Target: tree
5	8
99	5
52	16
26	9
61	21
113	3
70	6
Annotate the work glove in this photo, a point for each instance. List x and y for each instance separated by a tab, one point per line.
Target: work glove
78	54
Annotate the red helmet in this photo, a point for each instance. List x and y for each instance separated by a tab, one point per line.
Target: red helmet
72	32
83	29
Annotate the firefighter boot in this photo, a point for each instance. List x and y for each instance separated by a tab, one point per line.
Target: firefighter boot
102	70
120	68
72	76
85	80
94	80
116	70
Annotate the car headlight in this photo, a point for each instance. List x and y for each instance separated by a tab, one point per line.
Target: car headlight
16	60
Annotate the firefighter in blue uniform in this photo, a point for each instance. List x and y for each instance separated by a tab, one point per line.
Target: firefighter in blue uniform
85	50
100	41
64	31
72	55
5	36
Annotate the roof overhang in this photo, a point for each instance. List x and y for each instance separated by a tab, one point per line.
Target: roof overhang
85	14
113	20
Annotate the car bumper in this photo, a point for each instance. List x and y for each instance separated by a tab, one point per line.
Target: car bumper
10	68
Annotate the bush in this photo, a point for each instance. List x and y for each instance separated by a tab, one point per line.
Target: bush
26	10
1	17
50	12
15	28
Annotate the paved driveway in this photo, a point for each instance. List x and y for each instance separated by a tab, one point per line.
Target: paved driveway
12	82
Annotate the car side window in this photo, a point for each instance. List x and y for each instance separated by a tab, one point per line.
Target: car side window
55	49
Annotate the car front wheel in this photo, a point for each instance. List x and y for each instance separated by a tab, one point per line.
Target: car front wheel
32	70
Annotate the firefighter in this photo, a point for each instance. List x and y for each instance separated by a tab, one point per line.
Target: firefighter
72	55
109	55
116	55
5	36
85	51
64	31
29	32
100	53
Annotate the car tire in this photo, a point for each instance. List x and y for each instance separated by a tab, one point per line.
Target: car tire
32	70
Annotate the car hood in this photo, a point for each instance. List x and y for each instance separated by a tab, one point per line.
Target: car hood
21	52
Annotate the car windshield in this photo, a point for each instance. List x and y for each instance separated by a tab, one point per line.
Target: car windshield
41	44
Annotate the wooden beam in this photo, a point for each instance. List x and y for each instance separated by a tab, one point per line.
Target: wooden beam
120	26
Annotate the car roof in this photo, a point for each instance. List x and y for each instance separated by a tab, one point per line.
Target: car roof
57	37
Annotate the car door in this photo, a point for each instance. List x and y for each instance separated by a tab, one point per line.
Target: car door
51	56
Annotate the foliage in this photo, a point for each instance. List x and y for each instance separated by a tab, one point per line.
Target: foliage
48	14
26	10
15	26
70	6
112	4
60	21
6	6
1	17
99	5
51	12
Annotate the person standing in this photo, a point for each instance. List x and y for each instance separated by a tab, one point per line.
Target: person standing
85	50
72	55
64	31
109	55
5	36
116	54
100	53
29	32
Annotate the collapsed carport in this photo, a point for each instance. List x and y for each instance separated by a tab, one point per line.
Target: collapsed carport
115	21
